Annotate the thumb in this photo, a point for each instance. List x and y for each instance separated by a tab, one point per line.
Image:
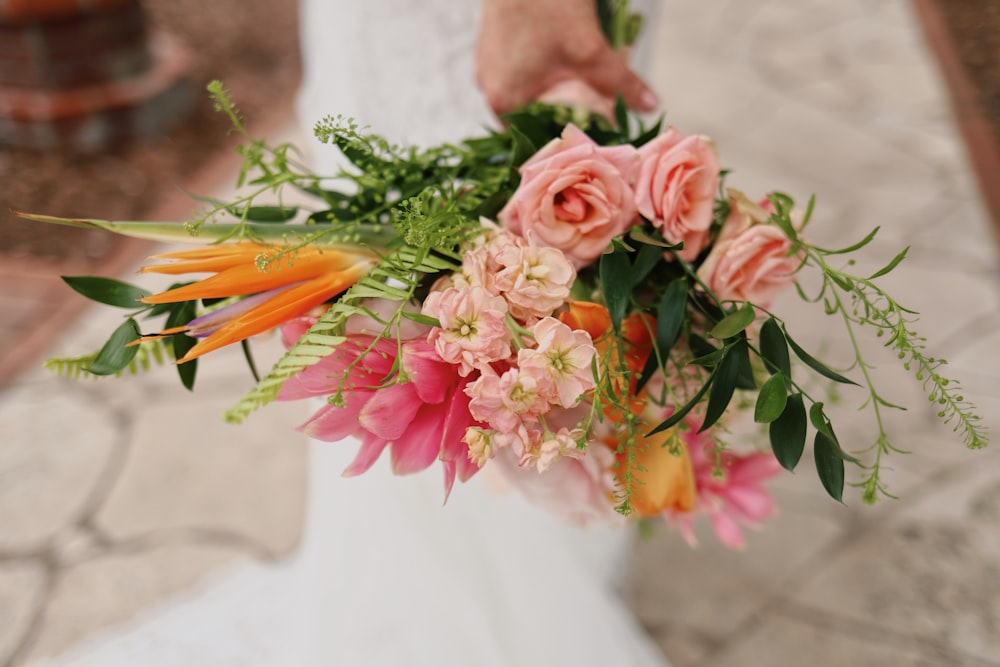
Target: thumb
610	75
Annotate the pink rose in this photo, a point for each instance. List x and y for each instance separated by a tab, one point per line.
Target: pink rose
676	187
751	259
574	195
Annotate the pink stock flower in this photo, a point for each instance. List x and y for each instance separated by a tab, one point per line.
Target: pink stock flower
562	359
575	195
580	490
561	443
421	420
731	501
534	281
752	259
505	401
473	331
675	189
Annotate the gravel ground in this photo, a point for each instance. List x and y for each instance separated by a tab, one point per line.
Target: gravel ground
251	45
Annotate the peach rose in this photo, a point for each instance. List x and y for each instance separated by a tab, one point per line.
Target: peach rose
675	189
750	260
574	195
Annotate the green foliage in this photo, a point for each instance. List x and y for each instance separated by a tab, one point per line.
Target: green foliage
148	354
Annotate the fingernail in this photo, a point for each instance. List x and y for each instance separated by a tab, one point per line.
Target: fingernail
649	101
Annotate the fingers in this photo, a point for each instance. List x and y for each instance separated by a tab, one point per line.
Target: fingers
610	75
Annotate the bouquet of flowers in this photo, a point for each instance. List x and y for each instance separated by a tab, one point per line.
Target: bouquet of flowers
578	303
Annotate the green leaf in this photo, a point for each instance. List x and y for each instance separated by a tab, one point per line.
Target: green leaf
615	271
774	349
645	261
670	315
271	214
621	114
819	420
855	246
829	465
678	415
891	265
639	234
733	323
771	400
815	364
522	148
115	355
183	313
723	385
108	291
788	433
669	318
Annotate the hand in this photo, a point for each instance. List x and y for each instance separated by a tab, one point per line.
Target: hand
528	47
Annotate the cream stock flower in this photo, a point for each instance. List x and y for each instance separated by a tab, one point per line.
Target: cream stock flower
473	332
534	280
564	358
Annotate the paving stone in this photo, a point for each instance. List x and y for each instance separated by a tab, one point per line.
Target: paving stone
189	470
787	641
97	594
56	444
939	580
710	591
22	584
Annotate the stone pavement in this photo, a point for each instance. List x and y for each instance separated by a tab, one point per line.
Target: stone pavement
110	502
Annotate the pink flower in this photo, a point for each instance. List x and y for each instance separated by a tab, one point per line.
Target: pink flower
752	259
562	359
579	490
676	187
557	445
733	500
421	420
574	195
473	331
534	281
507	400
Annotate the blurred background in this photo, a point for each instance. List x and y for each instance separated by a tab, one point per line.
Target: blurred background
118	499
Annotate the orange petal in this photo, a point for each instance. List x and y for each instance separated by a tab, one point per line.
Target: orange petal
283	307
661	480
246	278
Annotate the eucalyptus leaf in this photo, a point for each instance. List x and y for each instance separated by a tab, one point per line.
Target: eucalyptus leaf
108	291
271	214
774	349
183	313
734	322
645	261
116	353
723	385
682	412
523	147
771	400
829	465
815	364
615	271
787	433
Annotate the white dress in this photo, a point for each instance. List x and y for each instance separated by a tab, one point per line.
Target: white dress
385	574
488	579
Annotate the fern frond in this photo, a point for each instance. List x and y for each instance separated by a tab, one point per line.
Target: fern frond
149	353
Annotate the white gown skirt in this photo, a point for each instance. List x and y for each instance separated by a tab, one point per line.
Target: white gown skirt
488	579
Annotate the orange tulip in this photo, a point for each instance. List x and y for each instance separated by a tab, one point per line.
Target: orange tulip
661	480
307	277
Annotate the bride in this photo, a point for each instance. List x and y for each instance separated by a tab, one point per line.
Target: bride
487	579
387	575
